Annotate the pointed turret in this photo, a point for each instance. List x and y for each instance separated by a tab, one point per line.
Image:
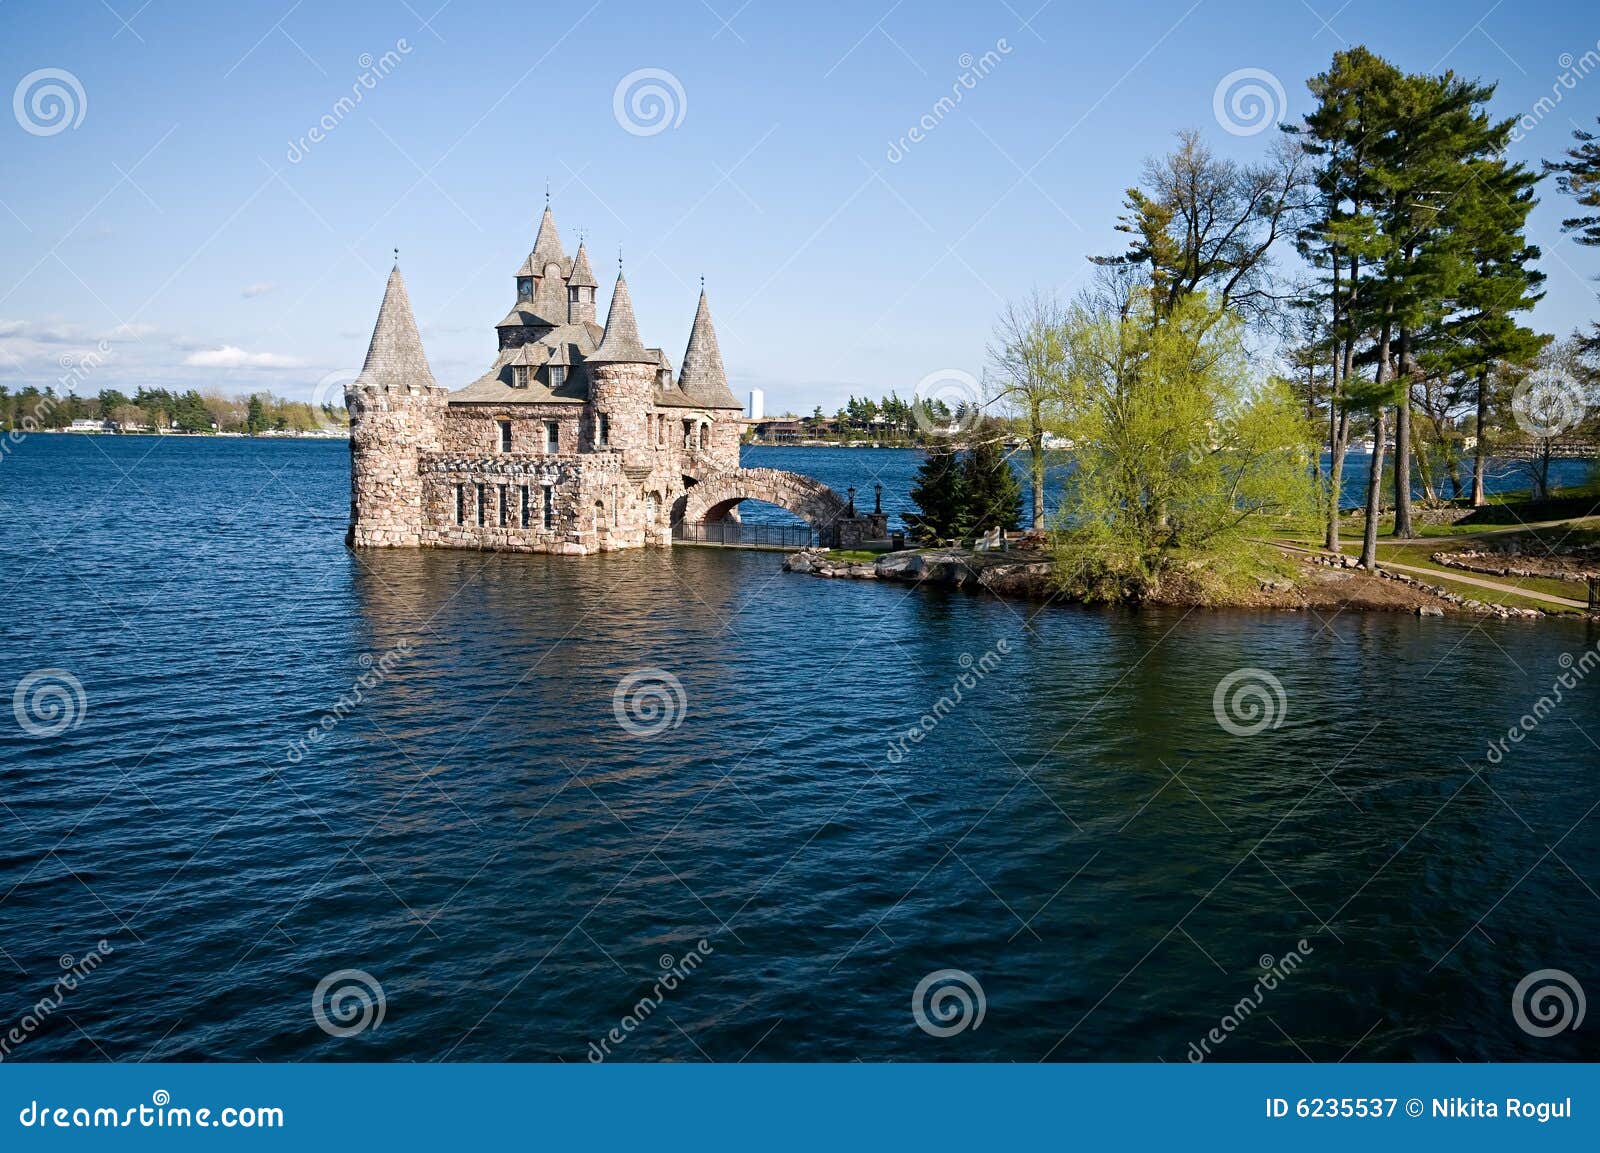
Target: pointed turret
703	380
546	247
396	411
621	344
581	286
395	359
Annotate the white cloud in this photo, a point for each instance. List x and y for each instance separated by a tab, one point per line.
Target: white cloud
254	290
230	357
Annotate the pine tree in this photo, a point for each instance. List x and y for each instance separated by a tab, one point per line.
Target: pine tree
1579	177
993	493
940	494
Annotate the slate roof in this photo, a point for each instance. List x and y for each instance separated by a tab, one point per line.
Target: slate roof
703	379
394	357
621	343
569	344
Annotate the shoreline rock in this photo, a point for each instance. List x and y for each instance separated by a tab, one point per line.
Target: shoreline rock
1031	577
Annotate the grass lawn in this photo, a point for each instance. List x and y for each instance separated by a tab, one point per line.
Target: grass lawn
1419	556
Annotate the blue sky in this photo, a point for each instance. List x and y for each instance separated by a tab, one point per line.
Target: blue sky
172	221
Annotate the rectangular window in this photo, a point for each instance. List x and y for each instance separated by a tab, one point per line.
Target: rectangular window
688	434
552	436
503	517
616	508
525	509
505	434
602	434
661	430
549	507
461	504
558	376
480	503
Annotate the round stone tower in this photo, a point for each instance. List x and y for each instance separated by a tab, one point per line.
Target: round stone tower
396	409
622	376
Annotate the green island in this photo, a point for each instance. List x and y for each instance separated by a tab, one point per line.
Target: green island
1203	406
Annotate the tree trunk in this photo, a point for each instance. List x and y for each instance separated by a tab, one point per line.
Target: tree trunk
1404	437
1369	539
1480	452
1402	450
1036	465
1421	452
1338	416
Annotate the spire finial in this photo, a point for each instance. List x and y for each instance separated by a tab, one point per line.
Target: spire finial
397	255
547	192
702	282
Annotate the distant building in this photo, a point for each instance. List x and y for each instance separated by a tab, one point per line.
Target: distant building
757	408
90	426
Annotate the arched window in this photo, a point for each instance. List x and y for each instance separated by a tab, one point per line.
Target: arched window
652	507
599	514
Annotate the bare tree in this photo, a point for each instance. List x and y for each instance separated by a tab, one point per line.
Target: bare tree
1028	356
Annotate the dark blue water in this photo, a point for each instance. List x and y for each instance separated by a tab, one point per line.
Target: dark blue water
484	839
895	470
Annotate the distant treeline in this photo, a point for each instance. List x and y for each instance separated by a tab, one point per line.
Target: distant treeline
157	408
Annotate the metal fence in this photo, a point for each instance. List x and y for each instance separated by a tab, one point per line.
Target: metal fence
735	534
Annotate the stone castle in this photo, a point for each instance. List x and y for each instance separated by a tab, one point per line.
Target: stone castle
577	439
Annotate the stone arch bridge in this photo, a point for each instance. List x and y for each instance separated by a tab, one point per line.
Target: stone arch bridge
716	495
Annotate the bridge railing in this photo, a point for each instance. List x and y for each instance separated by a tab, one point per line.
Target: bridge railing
735	534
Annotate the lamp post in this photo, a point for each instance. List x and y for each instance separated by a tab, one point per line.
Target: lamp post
851	493
877	499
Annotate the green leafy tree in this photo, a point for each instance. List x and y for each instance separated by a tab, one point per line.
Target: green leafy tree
256	417
1179	449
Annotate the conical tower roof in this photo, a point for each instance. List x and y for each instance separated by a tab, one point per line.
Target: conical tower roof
582	275
703	380
621	344
546	247
395	358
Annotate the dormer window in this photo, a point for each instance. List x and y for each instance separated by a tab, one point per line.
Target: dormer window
519	376
558	375
525	287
